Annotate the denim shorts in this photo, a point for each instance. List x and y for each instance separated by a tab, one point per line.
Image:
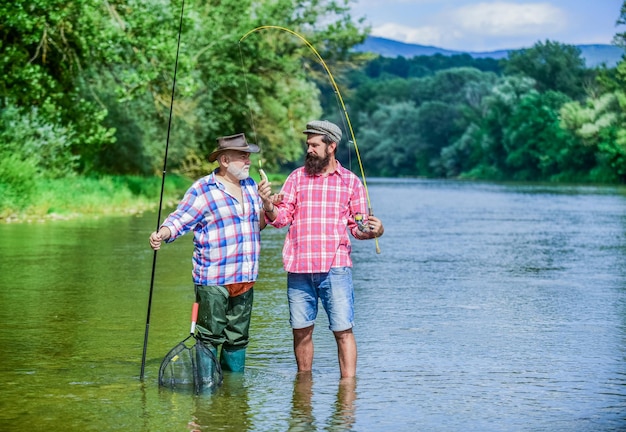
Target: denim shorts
335	291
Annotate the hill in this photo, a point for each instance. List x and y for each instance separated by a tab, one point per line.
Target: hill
594	55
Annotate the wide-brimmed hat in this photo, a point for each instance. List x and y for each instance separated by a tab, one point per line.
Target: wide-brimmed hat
233	142
324	127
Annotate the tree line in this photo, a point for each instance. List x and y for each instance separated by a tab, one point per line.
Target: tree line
539	115
87	86
87	91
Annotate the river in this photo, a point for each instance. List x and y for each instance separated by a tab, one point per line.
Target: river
491	307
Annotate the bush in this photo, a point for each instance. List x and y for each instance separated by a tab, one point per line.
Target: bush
32	137
17	181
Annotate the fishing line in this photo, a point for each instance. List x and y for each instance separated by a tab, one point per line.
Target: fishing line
256	138
339	98
167	145
245	80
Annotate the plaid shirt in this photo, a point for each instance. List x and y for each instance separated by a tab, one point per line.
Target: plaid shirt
226	237
318	209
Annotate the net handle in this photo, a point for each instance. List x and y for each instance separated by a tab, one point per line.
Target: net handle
194	318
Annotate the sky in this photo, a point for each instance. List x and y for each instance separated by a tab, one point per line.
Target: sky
474	25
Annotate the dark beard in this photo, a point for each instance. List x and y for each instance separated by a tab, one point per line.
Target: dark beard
314	165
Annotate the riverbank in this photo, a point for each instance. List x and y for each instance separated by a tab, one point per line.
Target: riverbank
69	198
80	197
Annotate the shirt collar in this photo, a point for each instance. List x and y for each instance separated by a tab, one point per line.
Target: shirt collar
212	179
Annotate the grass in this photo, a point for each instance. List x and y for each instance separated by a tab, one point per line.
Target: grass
76	196
72	197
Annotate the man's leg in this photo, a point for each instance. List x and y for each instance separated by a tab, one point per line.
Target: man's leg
212	320
302	296
337	296
346	351
303	348
237	332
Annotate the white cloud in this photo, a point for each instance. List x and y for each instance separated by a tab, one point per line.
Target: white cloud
481	25
429	35
509	19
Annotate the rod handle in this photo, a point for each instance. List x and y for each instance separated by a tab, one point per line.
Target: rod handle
371	213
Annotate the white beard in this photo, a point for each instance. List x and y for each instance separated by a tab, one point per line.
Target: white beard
239	174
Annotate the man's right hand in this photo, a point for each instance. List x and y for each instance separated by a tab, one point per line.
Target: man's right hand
156	238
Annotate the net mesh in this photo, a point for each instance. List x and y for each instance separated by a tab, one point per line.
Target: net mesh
190	365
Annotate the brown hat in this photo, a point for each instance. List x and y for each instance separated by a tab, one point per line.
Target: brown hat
233	142
324	127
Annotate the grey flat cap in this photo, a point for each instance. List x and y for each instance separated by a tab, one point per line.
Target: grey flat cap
324	127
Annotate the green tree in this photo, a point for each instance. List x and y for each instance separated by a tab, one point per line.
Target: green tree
391	142
553	66
439	107
538	148
42	56
486	137
601	126
103	71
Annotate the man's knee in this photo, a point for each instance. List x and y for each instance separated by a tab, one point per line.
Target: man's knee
303	333
343	334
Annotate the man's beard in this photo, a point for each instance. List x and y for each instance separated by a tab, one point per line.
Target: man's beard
314	165
240	174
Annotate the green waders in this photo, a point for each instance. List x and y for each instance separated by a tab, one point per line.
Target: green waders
225	320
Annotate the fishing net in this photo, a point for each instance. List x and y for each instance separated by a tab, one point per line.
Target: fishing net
191	364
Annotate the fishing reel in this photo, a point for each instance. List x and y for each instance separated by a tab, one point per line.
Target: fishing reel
363	227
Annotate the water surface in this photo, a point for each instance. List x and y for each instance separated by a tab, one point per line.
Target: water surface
490	308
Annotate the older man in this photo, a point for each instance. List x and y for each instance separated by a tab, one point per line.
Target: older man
223	209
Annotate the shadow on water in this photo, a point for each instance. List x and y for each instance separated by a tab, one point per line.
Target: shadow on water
491	308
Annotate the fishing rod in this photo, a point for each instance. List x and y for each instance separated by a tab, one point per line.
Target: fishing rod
167	145
339	98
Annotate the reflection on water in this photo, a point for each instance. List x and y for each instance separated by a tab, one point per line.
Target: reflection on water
301	409
302	416
490	308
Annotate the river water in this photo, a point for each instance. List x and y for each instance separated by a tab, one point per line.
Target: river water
490	308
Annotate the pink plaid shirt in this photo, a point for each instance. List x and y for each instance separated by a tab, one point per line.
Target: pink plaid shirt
319	211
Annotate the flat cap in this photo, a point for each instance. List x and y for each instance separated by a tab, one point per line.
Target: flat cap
324	127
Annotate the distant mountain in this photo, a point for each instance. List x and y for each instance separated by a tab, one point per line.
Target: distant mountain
594	55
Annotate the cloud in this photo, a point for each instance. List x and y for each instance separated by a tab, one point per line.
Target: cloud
428	35
509	19
481	24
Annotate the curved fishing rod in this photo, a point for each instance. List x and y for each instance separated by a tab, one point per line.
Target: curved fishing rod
167	145
339	98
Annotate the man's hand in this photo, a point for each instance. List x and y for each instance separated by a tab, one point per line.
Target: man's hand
156	238
265	192
375	226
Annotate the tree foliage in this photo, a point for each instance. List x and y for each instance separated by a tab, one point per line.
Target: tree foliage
543	117
553	66
87	89
101	74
